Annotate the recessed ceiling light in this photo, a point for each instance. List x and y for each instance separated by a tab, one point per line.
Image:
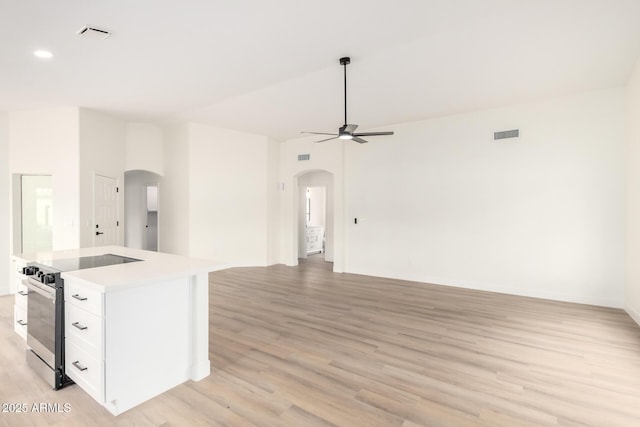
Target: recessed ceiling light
43	54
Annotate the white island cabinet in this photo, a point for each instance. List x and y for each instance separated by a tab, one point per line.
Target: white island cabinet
20	306
135	330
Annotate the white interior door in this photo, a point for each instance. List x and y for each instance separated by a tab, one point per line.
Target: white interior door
105	193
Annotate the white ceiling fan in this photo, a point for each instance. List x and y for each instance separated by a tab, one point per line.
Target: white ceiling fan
347	131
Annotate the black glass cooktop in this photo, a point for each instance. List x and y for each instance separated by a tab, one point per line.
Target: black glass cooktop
71	264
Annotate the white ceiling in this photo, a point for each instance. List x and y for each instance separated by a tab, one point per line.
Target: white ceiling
271	67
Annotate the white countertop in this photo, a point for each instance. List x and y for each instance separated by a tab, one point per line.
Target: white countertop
155	267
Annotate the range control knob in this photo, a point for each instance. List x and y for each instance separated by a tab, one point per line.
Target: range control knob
30	270
49	278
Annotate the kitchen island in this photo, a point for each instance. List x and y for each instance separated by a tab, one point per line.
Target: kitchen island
134	330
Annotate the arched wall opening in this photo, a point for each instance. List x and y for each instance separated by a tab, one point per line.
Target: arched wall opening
295	214
317	179
141	194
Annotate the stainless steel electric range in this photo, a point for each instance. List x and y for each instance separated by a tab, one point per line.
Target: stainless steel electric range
45	312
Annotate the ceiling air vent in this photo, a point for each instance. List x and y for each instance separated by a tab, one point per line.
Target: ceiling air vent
506	134
93	33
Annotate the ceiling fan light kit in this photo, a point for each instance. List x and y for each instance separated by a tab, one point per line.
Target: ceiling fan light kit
347	131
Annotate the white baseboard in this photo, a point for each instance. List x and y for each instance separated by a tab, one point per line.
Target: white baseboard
201	370
532	293
555	296
634	314
5	291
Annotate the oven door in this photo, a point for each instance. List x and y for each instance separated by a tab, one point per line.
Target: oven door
41	314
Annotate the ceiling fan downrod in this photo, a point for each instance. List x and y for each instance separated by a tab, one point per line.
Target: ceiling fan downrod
344	61
348	131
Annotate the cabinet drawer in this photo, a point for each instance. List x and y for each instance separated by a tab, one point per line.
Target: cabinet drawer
80	296
21	295
19	277
20	321
85	370
16	280
84	330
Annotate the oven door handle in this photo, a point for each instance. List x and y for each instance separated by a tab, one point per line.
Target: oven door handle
51	294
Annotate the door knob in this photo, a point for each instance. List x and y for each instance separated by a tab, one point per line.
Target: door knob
98	233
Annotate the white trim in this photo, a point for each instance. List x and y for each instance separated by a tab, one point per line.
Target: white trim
634	314
199	339
531	293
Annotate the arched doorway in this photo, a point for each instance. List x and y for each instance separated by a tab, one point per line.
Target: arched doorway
335	213
315	214
141	210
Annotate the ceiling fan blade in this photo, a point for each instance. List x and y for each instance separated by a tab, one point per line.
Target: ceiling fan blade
359	140
372	133
320	133
349	128
328	139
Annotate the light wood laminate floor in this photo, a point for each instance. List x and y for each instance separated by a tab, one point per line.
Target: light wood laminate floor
307	347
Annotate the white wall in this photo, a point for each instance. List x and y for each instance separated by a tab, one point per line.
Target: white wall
152	197
47	142
542	216
144	148
328	157
102	152
5	224
632	289
144	163
229	181
174	200
317	201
